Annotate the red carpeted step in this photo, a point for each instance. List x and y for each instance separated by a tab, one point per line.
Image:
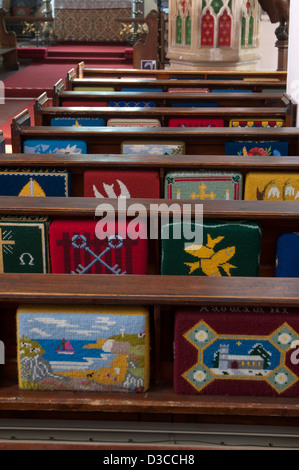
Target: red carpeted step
40	76
87	60
93	54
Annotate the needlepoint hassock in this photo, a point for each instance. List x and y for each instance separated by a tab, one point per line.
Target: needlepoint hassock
153	148
24	245
236	351
195	104
256	123
229	248
188	90
262	148
132	104
195	122
287	255
113	184
41	183
54	146
271	186
88	246
142	90
78	122
93	88
203	185
85	103
83	348
133	123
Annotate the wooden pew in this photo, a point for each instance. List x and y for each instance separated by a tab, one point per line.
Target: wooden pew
8	45
43	113
78	164
197	141
83	71
166	99
2	142
255	85
162	294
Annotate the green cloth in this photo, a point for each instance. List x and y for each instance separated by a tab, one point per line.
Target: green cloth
23	245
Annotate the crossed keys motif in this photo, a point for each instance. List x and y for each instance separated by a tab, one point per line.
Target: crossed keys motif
79	241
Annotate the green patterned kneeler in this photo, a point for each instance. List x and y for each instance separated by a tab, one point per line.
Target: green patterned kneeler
230	248
203	185
86	348
24	245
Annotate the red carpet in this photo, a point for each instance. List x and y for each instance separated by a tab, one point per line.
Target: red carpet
41	76
32	80
35	79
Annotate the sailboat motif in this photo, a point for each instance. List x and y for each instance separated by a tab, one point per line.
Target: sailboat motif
67	348
32	188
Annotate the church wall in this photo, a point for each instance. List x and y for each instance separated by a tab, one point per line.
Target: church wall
268	50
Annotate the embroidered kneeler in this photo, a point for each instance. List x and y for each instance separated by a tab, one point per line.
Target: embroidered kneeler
133	123
78	122
227	249
55	146
83	348
265	123
287	255
142	90
203	185
153	148
230	90
30	183
114	183
262	148
188	90
85	103
88	246
195	104
223	350
94	88
132	104
24	245
195	122
271	186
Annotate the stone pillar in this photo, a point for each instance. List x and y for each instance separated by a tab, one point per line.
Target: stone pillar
213	34
293	63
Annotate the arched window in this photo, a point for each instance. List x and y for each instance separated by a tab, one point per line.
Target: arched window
250	32
207	29
224	30
243	31
179	24
249	15
188	31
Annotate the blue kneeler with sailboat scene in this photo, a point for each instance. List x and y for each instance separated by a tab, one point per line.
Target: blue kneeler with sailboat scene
84	348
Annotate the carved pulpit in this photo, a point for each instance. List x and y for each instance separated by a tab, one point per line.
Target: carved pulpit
211	34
